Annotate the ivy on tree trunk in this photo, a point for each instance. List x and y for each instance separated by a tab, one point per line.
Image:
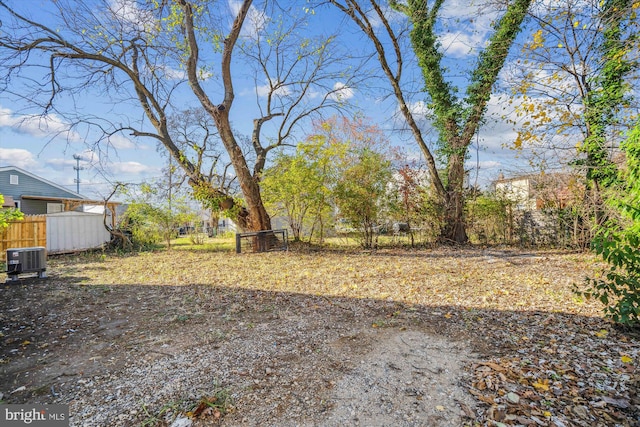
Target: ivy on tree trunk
457	120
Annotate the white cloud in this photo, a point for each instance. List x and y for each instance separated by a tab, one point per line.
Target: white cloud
489	164
6	118
341	92
458	45
59	164
17	157
467	26
255	21
174	73
264	90
554	7
129	13
543	83
421	114
121	142
498	130
133	168
41	126
419	109
478	14
88	159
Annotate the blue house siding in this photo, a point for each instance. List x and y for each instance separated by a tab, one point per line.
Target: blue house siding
6	188
31	185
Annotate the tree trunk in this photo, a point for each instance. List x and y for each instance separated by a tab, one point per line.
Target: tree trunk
213	225
254	217
454	230
258	218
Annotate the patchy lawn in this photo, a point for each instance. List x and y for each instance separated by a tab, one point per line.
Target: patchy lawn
537	354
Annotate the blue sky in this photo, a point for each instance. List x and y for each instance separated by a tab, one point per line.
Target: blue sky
41	145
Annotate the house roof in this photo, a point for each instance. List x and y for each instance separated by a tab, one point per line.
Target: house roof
39	178
82	201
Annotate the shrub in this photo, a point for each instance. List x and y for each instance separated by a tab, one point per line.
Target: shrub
618	243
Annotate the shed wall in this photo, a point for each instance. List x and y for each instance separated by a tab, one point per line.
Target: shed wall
74	231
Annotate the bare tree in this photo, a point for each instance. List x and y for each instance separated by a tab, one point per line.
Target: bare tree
108	48
297	73
296	77
141	54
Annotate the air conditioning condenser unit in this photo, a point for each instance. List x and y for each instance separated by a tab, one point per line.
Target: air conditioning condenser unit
26	260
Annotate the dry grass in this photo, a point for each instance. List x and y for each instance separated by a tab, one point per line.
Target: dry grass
465	278
545	355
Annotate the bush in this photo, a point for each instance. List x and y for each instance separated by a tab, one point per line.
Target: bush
8	215
619	291
618	243
490	219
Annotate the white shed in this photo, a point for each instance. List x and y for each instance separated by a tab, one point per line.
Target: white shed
74	231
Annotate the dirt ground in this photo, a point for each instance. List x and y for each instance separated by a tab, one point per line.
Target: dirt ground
124	354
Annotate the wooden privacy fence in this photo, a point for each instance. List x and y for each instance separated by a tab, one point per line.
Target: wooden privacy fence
31	231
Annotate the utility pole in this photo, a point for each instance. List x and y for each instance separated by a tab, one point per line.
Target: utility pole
77	169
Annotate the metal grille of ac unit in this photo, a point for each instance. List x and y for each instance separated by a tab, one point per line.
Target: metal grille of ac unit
26	260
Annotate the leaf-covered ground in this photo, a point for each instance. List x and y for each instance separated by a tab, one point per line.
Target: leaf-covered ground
545	356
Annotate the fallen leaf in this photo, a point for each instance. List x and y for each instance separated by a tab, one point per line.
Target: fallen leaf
618	403
626	359
494	366
602	333
541	384
488	382
467	411
486	399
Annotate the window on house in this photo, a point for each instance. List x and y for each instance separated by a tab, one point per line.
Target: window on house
13	179
55	207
